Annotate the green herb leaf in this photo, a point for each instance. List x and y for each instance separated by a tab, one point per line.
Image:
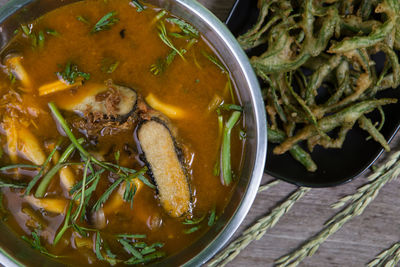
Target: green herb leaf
109	65
103	198
192	230
36	244
83	20
105	22
98	246
71	73
164	37
147	258
194	221
138	5
229	107
133	236
186	28
52	32
13	184
130	249
35	179
40	39
211	219
215	60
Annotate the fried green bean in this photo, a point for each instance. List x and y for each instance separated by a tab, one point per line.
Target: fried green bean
320	70
299	154
368	126
326	124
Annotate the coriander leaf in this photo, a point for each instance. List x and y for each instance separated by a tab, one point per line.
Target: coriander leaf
105	22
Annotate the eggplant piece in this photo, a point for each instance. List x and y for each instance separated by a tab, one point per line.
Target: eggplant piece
163	161
113	101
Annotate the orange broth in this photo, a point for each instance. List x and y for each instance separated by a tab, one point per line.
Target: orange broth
190	84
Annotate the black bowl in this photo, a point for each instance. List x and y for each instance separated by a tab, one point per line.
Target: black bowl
335	166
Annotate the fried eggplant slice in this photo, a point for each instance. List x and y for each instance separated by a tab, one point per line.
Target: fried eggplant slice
161	155
113	101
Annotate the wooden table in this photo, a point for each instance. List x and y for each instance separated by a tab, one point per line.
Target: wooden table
357	243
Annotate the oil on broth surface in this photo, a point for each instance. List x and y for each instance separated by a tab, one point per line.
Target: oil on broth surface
130	45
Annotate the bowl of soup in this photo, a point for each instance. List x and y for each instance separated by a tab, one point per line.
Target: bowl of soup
131	132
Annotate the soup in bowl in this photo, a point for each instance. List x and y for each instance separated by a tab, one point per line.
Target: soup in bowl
132	133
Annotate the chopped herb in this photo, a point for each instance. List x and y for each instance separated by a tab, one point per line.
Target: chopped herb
137	236
71	72
130	249
52	32
83	20
13	184
197	81
160	15
36	244
98	246
161	64
16	31
40	39
164	37
211	219
44	183
117	155
26	30
147	258
138	5
194	221
12	77
17	166
109	65
130	191
215	60
82	201
229	107
186	28
35	179
216	169
192	230
104	197
105	22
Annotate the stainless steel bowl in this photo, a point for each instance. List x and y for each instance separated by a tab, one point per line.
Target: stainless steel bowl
14	251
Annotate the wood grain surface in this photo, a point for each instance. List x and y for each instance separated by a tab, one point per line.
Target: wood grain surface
357	243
